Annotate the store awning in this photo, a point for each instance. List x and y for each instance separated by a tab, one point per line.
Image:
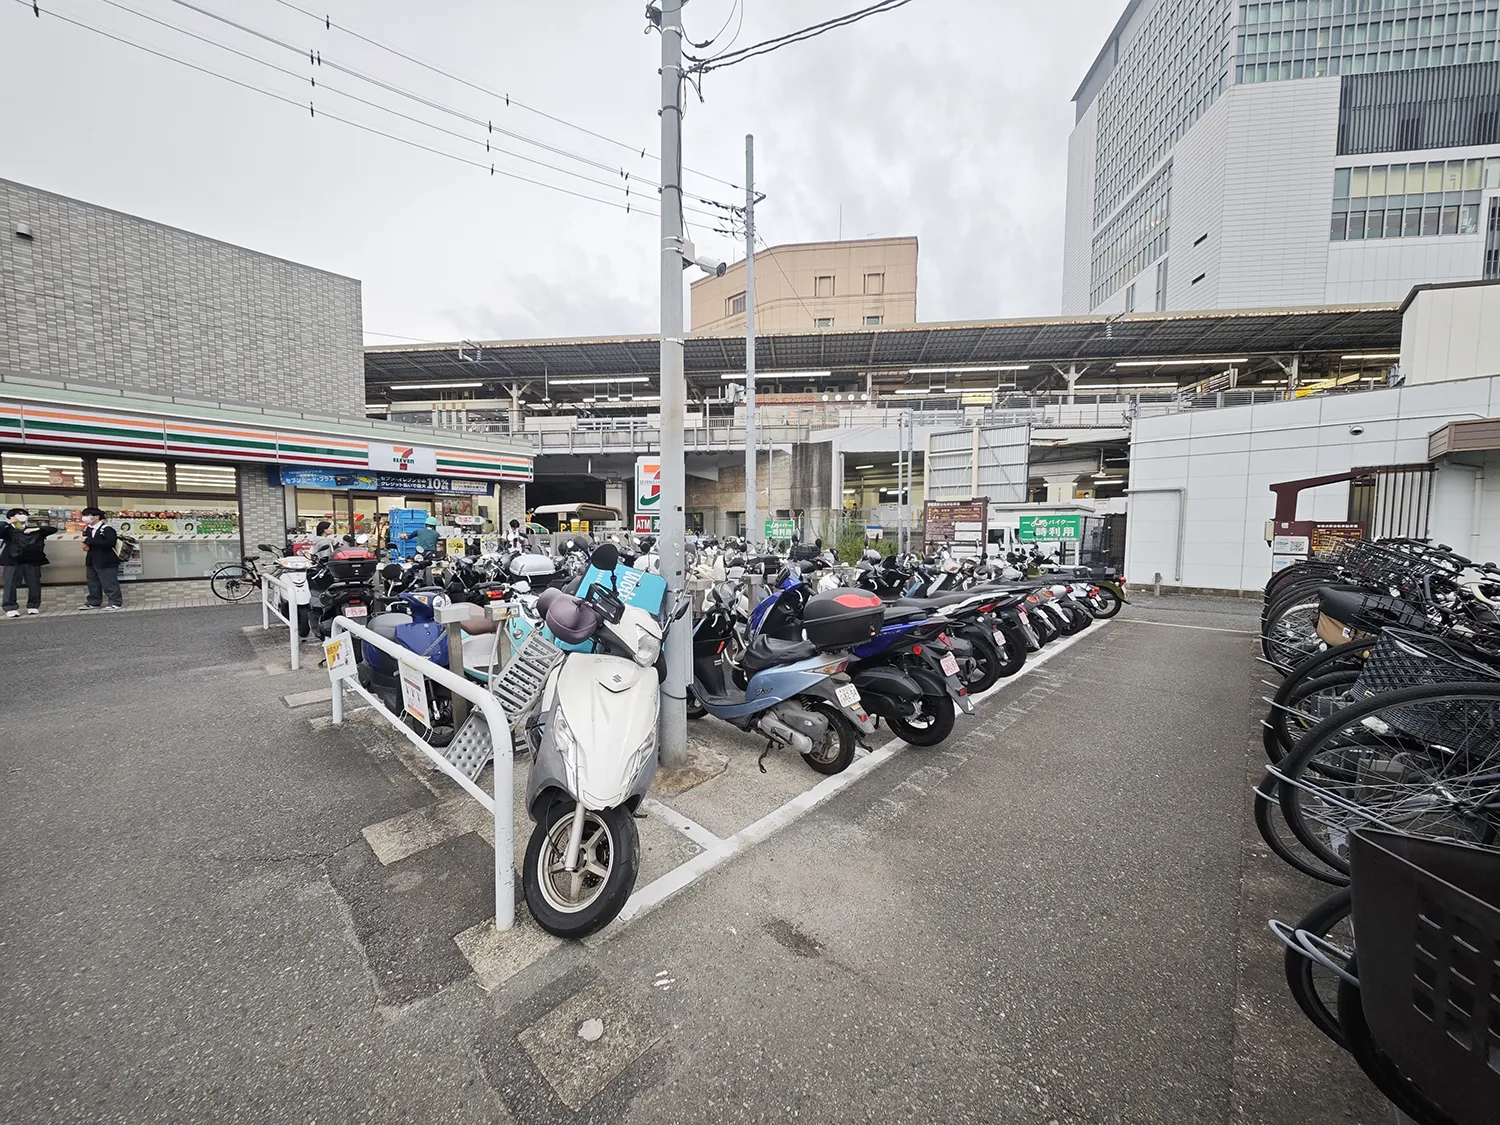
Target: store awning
88	416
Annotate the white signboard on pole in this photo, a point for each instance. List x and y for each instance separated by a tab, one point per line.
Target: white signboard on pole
338	654
414	694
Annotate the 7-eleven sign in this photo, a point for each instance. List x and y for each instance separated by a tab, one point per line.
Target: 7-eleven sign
647	494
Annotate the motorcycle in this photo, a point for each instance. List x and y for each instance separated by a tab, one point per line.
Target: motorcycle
594	750
793	692
341	585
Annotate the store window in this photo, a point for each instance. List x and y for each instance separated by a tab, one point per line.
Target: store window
186	517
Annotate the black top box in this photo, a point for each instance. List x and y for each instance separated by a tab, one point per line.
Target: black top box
842	618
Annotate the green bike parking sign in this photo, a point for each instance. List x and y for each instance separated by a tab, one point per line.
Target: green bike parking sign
780	529
1052	527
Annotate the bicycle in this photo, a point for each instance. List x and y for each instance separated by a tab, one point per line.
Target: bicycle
234	582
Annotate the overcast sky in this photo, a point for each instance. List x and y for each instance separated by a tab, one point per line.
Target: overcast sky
946	119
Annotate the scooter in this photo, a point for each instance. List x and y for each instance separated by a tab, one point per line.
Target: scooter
341	586
795	695
292	570
594	750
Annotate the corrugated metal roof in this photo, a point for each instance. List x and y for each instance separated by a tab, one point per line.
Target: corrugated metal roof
1094	340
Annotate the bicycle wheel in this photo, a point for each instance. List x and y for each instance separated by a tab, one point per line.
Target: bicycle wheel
1305	707
1284	722
1313	987
1290	632
233	582
1377	761
1273	829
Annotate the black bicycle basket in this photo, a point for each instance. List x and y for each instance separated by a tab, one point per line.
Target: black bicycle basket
1401	658
1427	913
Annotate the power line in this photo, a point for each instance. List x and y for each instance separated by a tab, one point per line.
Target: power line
628	208
765	47
330	25
790	283
365	101
715	36
317	60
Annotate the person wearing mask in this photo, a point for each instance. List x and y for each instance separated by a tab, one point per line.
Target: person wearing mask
427	538
22	556
101	564
322	544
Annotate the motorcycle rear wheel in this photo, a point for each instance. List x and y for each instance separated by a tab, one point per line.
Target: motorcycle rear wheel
931	726
836	751
1109	604
575	906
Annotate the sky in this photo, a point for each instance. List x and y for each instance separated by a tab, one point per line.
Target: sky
944	119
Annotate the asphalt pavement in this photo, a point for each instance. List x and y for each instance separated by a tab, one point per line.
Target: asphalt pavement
1057	917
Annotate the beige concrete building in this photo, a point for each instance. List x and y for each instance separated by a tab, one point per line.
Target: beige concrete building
815	285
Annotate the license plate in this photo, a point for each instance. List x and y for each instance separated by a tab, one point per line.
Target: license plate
848	696
356	611
949	665
1024	619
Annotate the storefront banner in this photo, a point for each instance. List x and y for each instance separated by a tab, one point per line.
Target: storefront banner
375	482
402	458
174	527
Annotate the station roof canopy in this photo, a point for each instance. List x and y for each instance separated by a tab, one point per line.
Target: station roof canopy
1324	337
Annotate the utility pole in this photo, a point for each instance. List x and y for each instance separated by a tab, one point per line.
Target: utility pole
750	340
671	541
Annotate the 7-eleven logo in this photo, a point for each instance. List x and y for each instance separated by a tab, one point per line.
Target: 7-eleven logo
647	482
403	455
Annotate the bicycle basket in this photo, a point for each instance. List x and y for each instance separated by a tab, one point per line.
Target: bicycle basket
1402	659
1387	567
1427	913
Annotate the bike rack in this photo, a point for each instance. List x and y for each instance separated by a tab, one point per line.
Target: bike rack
268	582
488	712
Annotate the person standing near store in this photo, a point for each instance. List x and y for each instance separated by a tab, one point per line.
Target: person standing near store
22	555
101	564
322	544
427	538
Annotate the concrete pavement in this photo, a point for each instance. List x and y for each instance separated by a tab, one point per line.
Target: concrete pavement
1056	917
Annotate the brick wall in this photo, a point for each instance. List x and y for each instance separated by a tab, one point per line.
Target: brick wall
713	498
512	505
262	508
99	295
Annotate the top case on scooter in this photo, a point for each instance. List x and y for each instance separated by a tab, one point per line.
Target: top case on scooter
841	618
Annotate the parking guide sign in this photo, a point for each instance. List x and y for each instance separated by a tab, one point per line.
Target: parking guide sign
1052	527
414	694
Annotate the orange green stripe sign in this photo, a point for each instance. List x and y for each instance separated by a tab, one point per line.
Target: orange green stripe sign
49	424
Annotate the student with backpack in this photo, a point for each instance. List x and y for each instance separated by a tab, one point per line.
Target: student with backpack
22	556
102	561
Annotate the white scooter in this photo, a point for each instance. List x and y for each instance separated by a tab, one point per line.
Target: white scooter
594	751
292	571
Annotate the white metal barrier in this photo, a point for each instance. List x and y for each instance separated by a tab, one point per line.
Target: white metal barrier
268	583
498	803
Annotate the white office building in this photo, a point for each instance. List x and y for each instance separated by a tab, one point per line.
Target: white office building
1292	152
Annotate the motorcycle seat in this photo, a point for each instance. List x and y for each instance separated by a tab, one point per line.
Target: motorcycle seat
934	603
897	613
766	652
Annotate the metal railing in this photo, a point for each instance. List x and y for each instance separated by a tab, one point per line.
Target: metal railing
498	803
269	582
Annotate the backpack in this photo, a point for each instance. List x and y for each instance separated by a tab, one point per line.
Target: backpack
125	547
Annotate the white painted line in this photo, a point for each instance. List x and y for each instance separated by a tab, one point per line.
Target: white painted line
1204	628
654	893
687	826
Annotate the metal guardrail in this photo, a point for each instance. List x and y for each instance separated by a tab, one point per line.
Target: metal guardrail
487	710
269	582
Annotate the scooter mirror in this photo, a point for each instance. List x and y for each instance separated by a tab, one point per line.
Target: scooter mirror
391	572
606	556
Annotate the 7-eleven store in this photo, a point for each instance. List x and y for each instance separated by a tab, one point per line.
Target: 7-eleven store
201	483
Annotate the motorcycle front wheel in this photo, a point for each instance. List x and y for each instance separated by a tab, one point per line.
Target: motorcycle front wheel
575	904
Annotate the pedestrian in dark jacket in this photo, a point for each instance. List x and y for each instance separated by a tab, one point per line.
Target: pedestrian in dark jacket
22	555
101	564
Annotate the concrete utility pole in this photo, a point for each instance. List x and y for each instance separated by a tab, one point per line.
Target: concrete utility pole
672	535
750	340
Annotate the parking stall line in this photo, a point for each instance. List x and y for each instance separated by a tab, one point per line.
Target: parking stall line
659	890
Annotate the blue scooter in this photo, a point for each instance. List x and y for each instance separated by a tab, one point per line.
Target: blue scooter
909	673
794	695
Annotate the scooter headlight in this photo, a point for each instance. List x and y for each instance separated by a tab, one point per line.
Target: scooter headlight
647	648
565	740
